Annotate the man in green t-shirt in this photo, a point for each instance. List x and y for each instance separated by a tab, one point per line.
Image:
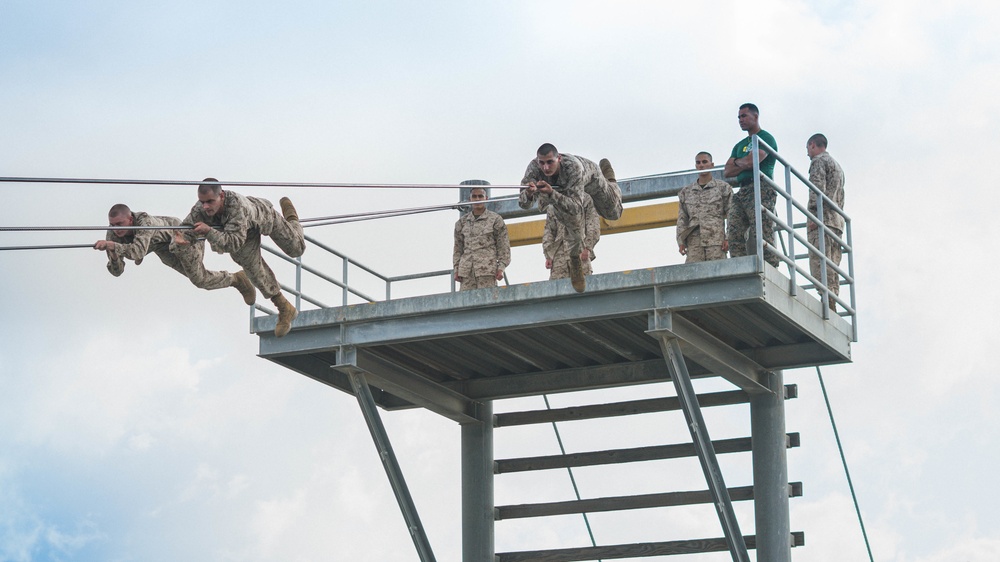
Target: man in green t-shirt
742	221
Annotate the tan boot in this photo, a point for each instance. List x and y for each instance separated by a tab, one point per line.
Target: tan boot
245	287
607	171
286	313
576	274
287	210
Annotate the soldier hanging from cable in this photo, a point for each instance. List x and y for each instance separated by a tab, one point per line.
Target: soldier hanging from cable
135	245
243	220
561	180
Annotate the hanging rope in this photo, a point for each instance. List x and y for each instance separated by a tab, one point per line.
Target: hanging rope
572	479
843	459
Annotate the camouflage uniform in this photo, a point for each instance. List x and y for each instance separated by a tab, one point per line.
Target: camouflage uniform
742	229
136	244
701	220
826	174
556	247
482	248
244	220
577	176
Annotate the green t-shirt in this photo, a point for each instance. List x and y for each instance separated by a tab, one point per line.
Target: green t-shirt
742	149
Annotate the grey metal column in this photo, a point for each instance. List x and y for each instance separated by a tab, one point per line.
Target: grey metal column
406	506
477	487
703	445
770	472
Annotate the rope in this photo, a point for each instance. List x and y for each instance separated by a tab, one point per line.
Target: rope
53	247
254	183
335	219
843	459
572	480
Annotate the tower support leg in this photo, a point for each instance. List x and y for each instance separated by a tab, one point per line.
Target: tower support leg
770	472
477	487
392	470
703	445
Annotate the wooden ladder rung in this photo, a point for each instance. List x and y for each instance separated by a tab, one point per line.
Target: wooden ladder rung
635	550
615	456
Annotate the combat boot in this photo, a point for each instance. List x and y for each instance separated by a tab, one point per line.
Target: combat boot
607	171
286	313
245	287
287	210
576	274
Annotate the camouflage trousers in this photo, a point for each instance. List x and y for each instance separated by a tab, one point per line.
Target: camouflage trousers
696	252
833	253
569	211
607	198
560	267
478	282
189	261
742	223
287	235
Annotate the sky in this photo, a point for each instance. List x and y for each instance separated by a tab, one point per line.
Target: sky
139	424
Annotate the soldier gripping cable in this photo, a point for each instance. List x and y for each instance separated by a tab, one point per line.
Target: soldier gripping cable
123	243
243	220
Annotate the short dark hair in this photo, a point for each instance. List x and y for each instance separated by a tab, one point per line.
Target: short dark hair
119	210
206	188
819	139
547	148
753	108
706	153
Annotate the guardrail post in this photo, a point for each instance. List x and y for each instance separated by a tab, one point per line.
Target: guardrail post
755	149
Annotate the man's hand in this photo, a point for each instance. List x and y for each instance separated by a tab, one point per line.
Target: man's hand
548	263
585	255
180	239
530	190
725	245
544	187
458	278
202	228
104	245
813	226
499	275
682	249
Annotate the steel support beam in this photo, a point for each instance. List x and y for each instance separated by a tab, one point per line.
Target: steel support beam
477	487
703	445
392	470
711	353
770	473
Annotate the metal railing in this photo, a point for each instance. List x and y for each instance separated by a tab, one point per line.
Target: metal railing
796	218
794	209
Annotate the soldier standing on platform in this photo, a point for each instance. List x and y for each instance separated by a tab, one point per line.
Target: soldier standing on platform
243	220
482	246
742	219
137	244
701	218
555	241
561	180
826	174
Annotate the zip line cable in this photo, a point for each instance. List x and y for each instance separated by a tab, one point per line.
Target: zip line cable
317	221
843	459
254	183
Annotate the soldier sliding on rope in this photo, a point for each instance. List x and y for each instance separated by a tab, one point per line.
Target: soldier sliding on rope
243	220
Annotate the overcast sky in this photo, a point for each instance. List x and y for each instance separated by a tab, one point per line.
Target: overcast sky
139	425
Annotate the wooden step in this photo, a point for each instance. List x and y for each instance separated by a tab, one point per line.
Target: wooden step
625	408
637	550
619	503
615	456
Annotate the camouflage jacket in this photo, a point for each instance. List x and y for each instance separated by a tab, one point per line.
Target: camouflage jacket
239	214
704	209
554	244
482	246
136	244
826	174
575	173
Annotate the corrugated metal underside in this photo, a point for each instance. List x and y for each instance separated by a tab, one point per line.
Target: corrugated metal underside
543	337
